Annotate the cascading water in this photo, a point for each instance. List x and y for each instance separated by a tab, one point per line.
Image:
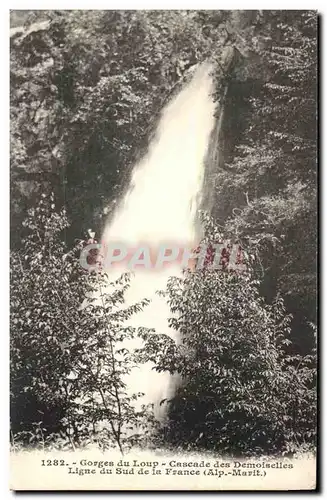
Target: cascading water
161	206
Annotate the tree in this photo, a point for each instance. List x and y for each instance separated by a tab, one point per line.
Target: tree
69	344
270	173
241	392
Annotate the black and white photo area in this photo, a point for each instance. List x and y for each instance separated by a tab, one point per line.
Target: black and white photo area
163	246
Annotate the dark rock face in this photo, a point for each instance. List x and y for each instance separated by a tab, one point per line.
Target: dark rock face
85	98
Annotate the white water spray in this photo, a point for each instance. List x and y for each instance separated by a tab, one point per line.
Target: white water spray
161	206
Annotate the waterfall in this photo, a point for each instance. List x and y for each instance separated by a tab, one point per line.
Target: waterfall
161	206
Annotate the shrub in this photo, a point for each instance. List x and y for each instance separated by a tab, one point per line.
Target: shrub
242	390
69	343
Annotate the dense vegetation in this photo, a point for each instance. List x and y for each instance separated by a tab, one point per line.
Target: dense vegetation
87	88
243	392
68	350
270	174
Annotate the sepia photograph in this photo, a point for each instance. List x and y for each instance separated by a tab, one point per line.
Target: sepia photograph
163	250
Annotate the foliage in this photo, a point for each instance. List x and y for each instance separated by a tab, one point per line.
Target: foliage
69	349
242	392
270	171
